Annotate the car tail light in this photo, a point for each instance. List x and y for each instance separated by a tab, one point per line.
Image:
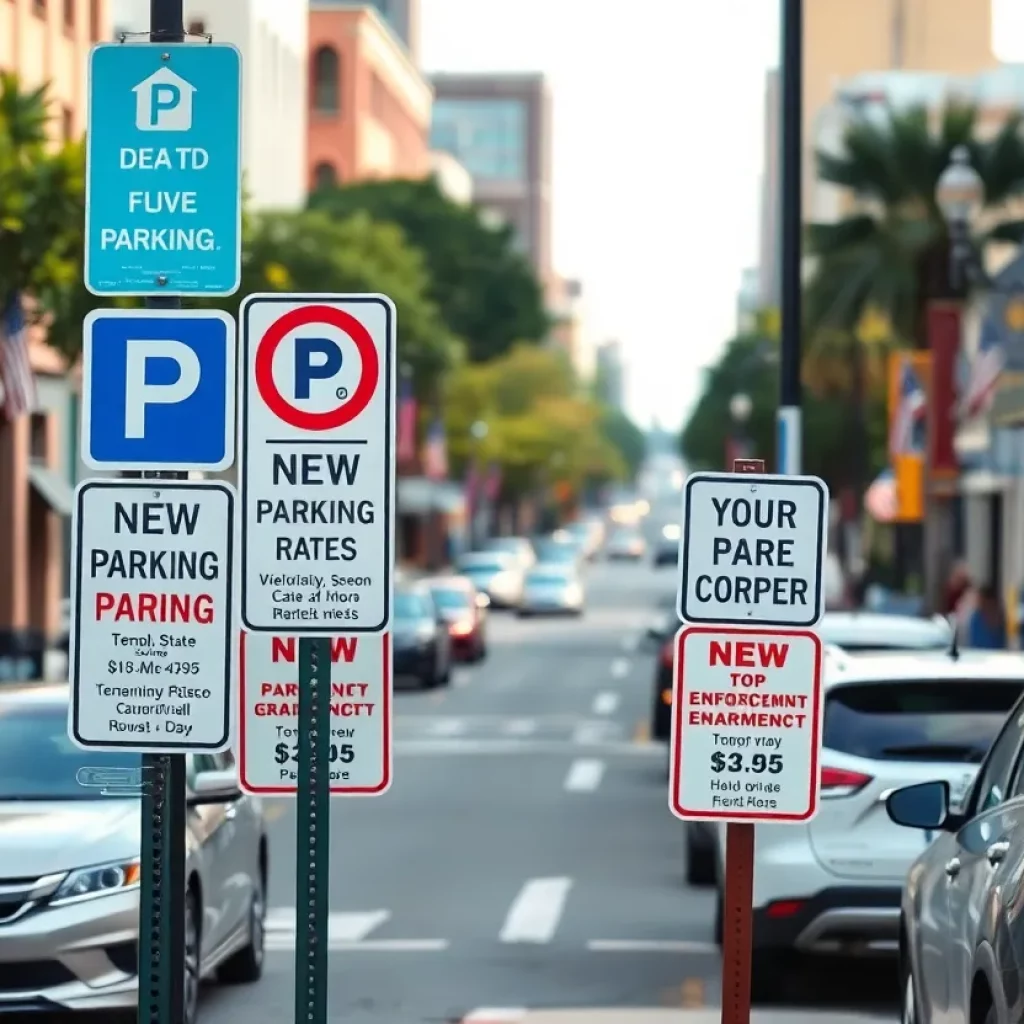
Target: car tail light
668	654
839	782
461	628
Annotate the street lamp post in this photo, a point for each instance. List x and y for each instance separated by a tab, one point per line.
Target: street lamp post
960	193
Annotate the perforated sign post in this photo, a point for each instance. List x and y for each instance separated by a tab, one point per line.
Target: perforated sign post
317	473
746	701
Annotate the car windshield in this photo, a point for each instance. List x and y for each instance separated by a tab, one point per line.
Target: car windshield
449	597
38	761
481	567
411	606
932	720
556	551
548	577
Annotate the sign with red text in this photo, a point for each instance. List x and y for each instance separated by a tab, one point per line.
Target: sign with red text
746	725
360	744
152	623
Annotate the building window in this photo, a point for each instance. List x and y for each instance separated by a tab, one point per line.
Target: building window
325	175
67	124
197	27
39	8
69	14
488	137
326	81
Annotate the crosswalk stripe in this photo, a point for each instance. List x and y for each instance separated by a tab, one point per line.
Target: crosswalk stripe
584	775
520	727
536	911
341	926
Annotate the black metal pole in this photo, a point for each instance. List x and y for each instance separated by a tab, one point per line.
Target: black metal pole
790	425
162	969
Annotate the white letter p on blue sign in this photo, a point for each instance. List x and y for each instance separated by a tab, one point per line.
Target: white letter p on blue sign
138	394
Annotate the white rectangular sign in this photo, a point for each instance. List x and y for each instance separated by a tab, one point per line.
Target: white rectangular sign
753	550
269	737
152	624
746	725
317	464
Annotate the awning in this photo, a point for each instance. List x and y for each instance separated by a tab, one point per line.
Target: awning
52	488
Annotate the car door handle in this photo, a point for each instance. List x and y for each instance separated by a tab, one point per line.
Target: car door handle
997	851
953	867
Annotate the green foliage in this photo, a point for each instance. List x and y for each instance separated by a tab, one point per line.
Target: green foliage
748	365
891	254
486	291
626	437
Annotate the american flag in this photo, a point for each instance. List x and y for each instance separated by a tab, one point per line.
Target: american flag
406	420
19	384
984	372
435	452
907	434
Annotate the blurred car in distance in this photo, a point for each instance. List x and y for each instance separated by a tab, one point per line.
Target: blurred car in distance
420	642
961	930
519	548
464	609
552	589
71	863
589	534
625	542
833	885
666	547
558	548
497	574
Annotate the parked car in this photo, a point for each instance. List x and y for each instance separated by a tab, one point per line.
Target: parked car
625	542
519	548
552	589
961	930
589	534
464	609
666	547
420	643
71	864
834	884
497	574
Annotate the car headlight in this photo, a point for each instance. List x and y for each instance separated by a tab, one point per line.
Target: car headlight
425	632
98	881
670	532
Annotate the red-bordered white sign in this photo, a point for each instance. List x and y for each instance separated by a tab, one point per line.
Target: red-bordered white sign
268	709
316	463
746	725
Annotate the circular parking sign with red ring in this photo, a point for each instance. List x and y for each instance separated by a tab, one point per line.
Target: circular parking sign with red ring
352	403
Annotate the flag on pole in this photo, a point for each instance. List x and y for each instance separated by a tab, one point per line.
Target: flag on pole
984	373
907	434
19	384
435	452
406	420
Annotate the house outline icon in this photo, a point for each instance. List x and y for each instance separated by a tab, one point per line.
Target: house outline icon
163	103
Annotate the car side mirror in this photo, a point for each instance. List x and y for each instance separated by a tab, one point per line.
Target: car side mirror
482	600
214	787
924	806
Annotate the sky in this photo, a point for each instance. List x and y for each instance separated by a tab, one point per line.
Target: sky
658	134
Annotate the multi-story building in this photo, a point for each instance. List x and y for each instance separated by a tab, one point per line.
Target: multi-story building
401	16
611	375
42	44
499	128
369	109
568	333
272	37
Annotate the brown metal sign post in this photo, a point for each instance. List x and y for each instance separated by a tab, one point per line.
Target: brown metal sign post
738	899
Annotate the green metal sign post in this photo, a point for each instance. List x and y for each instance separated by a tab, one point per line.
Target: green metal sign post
312	880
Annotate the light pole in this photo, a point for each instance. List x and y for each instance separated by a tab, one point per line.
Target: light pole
478	432
960	193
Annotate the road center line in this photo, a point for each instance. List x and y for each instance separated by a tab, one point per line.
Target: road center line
605	703
620	668
536	911
495	1015
584	776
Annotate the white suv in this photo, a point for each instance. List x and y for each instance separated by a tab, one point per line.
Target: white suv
833	885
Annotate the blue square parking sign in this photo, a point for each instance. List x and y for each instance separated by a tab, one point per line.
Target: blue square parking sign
158	390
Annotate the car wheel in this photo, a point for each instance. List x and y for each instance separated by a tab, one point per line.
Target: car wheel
246	966
700	862
190	1002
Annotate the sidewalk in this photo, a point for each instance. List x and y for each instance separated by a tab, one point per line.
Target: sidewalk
710	1015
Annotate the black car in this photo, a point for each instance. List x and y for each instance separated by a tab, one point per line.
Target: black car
464	609
420	639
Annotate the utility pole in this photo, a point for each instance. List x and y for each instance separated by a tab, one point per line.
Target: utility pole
790	425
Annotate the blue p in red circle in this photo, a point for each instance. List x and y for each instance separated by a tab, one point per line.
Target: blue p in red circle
351	405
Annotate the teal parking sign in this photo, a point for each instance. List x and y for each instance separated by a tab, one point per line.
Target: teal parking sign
163	194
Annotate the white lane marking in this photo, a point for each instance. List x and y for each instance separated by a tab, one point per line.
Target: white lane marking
286	943
495	1015
589	733
605	703
519	727
341	926
447	727
651	946
584	776
536	911
620	668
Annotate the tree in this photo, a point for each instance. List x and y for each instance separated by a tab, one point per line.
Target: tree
41	193
625	437
487	293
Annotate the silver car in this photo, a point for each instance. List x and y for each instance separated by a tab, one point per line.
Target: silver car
70	867
552	589
498	575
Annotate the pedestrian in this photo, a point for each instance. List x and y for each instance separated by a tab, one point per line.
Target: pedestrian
986	627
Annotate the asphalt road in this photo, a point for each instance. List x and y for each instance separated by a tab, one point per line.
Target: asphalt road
525	856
